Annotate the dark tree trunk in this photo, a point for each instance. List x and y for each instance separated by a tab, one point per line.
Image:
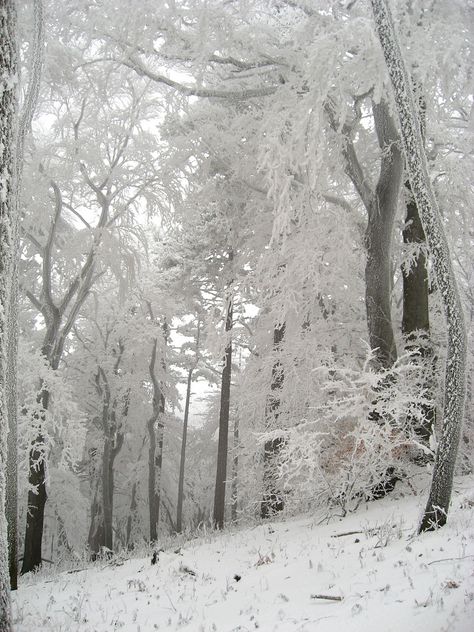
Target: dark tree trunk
8	207
415	281
179	510
132	517
155	427
96	536
37	497
381	206
222	447
107	492
381	211
416	321
24	126
235	470
272	501
153	497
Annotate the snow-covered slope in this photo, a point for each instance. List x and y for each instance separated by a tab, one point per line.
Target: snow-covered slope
275	577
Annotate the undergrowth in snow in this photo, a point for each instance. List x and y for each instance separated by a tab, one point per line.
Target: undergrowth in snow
366	572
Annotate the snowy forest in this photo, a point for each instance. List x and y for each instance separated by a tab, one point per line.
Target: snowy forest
236	284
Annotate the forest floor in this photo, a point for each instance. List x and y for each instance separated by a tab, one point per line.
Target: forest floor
366	572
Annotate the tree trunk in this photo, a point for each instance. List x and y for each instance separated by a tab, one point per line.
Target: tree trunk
153	498
437	507
179	510
272	501
112	446
107	492
37	497
416	321
222	447
381	216
235	471
415	280
96	536
8	206
381	206
155	449
36	62
132	517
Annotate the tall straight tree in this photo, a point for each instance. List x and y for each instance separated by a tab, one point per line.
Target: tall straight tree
36	62
272	500
8	107
436	510
222	446
182	463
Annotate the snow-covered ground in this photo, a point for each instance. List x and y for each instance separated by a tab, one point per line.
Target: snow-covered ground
382	578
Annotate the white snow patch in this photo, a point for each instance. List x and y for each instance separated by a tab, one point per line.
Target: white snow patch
387	577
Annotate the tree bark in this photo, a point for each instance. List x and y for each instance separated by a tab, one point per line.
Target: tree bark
235	471
381	206
179	510
437	507
8	206
381	215
415	320
96	536
36	62
222	447
272	501
37	495
155	427
132	517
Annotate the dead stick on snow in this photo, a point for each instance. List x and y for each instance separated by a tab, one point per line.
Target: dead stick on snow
341	535
450	559
328	597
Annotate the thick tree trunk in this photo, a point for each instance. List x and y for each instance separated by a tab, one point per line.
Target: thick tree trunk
272	501
96	536
8	107
381	206
179	510
416	321
381	212
415	280
222	447
441	487
155	427
36	62
37	497
112	446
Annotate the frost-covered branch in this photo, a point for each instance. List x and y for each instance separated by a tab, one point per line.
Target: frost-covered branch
193	91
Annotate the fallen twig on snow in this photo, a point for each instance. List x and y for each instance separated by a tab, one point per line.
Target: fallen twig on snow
341	535
450	559
328	597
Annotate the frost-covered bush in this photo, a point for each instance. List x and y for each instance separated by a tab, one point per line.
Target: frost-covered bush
360	436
